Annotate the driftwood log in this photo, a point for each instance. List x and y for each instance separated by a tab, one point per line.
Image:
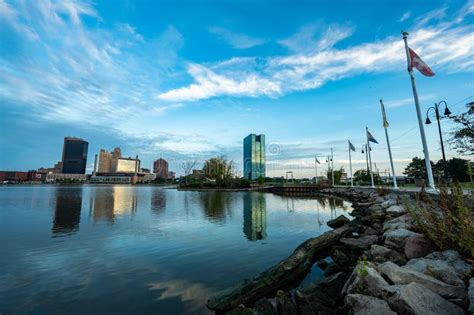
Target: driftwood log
286	273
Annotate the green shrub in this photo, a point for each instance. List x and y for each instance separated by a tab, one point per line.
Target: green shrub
450	223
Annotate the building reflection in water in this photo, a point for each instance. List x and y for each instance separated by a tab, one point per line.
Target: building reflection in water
255	216
108	204
67	211
158	200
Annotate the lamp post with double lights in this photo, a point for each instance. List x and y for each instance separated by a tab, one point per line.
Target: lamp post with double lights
447	112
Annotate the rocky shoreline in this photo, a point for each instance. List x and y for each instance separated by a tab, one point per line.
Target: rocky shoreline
378	263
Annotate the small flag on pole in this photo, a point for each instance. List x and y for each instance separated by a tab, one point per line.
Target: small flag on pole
385	122
370	137
419	64
316	160
351	146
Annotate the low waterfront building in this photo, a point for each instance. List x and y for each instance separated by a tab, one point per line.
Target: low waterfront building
111	179
171	175
63	177
13	176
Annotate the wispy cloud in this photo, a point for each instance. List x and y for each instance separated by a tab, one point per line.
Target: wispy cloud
445	46
236	40
405	16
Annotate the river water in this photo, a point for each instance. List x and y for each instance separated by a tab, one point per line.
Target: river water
142	249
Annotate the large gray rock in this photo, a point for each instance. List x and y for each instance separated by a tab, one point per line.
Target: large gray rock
380	254
397	239
389	202
402	222
400	275
396	210
240	310
452	257
440	269
415	299
338	222
264	307
365	280
470	294
363	242
285	304
418	246
367	305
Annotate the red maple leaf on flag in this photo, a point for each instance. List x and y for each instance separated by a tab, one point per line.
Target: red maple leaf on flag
419	64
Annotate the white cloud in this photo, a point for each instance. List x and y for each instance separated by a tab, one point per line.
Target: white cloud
445	46
405	16
236	40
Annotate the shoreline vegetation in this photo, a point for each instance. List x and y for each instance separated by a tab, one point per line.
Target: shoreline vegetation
403	253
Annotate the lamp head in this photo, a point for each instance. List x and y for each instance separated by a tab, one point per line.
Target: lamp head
428	121
447	112
362	151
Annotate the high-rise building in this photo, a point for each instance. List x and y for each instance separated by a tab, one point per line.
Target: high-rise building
160	168
254	156
74	156
105	161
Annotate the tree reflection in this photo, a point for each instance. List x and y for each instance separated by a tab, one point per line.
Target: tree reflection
216	204
67	211
255	216
158	200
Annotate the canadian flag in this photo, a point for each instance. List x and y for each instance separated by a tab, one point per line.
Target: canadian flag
419	64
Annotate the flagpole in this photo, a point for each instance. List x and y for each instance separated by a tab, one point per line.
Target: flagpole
420	119
350	164
385	125
315	169
370	158
332	167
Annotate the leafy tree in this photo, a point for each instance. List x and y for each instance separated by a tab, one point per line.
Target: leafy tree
337	176
459	169
219	169
417	168
363	176
463	137
261	180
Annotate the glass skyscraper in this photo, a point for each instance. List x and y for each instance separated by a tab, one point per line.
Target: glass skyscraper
74	156
254	156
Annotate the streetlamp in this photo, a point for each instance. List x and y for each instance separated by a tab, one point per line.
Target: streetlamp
447	112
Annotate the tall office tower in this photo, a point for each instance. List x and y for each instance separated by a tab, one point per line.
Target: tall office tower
254	156
160	168
74	156
105	161
117	153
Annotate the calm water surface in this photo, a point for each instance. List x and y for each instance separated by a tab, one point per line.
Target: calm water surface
142	249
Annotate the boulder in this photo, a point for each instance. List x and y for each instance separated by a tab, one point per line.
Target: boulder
402	222
322	264
415	299
380	254
240	310
400	275
396	210
343	257
338	222
365	280
312	305
452	257
285	304
397	239
264	307
470	294
440	269
367	305
369	231
389	202
418	246
363	242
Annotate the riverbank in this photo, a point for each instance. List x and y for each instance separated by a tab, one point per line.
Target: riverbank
378	263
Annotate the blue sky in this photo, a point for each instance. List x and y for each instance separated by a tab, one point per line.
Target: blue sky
187	80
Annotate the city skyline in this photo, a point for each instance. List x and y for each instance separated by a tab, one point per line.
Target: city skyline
191	84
